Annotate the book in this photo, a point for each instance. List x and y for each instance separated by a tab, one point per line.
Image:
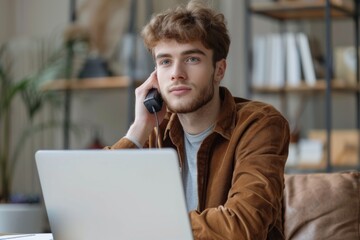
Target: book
259	63
292	63
274	61
307	64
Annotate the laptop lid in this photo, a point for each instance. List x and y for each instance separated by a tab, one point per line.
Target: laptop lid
113	194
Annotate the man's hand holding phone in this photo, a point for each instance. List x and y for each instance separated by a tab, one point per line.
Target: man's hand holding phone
145	120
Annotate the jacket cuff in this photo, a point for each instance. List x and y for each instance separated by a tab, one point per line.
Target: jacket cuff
124	142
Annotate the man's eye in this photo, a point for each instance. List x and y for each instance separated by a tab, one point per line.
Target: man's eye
192	59
164	62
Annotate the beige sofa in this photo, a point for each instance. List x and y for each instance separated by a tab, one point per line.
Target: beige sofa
322	206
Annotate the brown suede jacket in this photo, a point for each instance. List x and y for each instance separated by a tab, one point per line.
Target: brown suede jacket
240	170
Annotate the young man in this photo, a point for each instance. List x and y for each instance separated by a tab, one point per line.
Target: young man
232	151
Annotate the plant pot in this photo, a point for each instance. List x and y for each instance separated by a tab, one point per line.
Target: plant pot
22	218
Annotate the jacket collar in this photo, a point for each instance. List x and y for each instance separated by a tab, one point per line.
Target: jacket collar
224	124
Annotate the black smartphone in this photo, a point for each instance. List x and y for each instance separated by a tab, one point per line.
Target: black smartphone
153	101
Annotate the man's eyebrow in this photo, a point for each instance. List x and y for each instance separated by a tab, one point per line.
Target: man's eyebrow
187	52
192	51
162	55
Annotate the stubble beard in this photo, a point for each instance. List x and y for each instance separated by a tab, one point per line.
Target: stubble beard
203	97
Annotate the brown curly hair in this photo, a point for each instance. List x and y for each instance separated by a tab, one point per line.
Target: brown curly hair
193	22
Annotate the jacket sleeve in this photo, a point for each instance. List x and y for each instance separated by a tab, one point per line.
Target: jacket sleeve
125	142
122	144
253	205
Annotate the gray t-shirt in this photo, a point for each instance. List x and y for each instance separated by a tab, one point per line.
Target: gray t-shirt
192	145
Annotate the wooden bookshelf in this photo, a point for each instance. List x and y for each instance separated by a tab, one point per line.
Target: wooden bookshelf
320	86
325	11
89	84
296	10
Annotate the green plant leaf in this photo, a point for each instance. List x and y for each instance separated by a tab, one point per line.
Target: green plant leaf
8	95
52	65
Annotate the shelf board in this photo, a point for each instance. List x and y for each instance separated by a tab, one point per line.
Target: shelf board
296	10
320	86
89	84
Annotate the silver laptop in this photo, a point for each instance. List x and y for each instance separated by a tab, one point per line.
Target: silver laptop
113	194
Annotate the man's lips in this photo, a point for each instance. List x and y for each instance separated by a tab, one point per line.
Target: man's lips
179	90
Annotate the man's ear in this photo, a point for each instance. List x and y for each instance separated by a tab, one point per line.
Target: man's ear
220	68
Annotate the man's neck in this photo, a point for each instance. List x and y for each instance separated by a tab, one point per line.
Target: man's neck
198	121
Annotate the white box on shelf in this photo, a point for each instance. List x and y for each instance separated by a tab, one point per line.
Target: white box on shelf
310	151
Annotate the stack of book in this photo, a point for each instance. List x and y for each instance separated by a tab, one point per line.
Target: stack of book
282	59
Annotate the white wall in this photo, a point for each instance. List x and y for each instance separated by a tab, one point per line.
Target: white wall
31	18
234	77
6	11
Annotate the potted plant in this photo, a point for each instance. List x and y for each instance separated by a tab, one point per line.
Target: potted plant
27	92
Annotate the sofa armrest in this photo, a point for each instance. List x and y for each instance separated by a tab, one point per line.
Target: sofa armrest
322	206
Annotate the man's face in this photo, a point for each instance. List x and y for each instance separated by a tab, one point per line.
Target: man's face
185	74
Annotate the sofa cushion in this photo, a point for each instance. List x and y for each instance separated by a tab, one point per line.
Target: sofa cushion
322	206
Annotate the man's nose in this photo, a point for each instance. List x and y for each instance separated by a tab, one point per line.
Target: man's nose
178	71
